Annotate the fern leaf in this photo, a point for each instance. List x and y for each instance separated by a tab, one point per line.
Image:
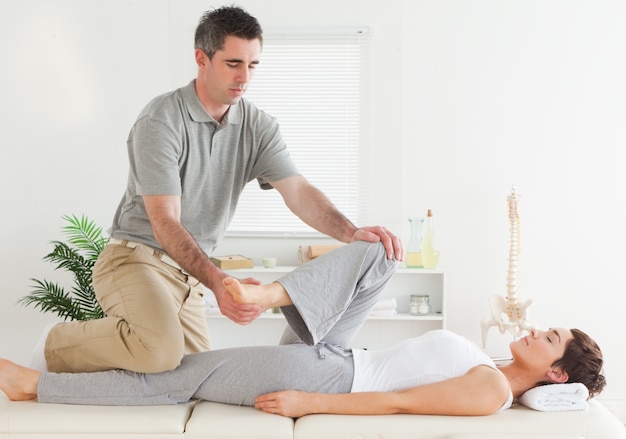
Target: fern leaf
78	255
85	235
50	297
87	301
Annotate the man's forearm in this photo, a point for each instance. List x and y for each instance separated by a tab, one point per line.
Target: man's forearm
313	207
180	246
316	210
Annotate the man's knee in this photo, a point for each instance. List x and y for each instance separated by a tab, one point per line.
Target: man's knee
164	357
155	351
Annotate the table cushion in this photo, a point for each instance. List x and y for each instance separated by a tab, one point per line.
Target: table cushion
595	423
33	420
220	421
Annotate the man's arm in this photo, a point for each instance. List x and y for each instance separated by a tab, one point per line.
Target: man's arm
315	209
481	391
164	214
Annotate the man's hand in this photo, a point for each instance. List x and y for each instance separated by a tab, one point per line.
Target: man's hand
238	313
164	214
392	243
291	403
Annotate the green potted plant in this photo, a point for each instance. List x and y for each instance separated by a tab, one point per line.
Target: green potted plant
77	255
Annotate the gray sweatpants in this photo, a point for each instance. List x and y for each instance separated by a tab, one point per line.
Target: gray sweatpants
332	295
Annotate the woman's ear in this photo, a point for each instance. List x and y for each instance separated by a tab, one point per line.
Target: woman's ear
557	375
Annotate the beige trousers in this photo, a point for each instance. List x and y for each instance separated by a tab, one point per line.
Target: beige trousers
155	315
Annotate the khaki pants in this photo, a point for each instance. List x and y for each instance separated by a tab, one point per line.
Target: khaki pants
155	315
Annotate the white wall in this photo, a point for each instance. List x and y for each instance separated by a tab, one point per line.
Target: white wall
468	98
532	94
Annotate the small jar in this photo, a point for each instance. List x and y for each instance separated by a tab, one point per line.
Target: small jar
419	305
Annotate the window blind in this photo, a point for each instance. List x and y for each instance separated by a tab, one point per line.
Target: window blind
315	84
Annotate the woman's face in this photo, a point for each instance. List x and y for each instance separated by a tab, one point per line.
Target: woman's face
541	348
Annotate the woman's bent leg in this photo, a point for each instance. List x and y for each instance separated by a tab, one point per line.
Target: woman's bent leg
333	294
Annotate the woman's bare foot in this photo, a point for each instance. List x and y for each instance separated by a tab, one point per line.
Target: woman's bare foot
266	296
19	383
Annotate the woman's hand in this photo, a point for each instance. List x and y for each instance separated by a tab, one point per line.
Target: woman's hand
291	403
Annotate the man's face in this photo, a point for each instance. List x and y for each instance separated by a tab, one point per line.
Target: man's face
225	78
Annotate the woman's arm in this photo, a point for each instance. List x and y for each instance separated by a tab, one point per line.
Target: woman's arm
481	391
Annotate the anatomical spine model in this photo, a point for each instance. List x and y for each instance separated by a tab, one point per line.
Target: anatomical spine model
507	313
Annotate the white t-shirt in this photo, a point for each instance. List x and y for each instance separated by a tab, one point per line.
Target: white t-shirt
433	357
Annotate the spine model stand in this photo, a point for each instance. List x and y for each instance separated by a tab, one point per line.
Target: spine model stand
506	312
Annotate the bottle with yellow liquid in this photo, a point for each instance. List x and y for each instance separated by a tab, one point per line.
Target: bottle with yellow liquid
430	256
413	250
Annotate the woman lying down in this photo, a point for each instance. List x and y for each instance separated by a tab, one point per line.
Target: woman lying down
325	303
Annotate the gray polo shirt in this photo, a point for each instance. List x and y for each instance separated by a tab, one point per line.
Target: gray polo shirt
177	148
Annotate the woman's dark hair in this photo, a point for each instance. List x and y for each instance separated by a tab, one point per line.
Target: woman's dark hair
220	23
583	362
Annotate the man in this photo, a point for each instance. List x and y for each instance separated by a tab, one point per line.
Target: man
191	153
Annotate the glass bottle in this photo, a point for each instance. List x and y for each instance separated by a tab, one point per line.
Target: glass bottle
430	256
413	250
419	305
